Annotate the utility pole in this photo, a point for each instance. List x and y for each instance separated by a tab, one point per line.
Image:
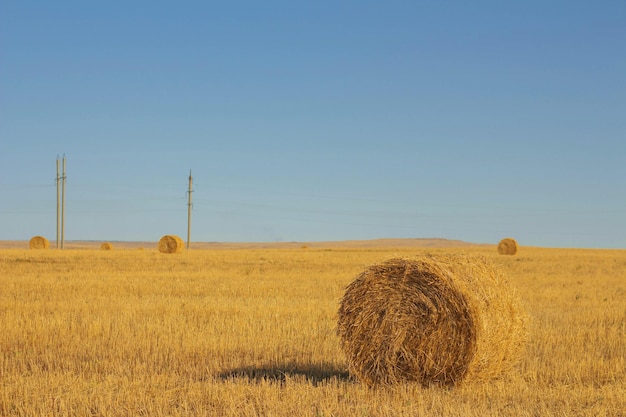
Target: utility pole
63	178
58	182
189	211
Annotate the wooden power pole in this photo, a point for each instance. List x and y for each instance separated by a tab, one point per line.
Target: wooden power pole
58	181
63	178
189	211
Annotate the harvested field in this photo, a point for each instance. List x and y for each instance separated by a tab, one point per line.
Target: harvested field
247	332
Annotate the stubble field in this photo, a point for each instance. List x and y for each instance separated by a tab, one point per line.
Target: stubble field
252	332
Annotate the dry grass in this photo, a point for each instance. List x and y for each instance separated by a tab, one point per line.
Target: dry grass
253	332
38	242
430	319
106	246
171	244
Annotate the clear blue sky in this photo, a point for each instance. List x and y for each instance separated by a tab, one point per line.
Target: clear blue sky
321	120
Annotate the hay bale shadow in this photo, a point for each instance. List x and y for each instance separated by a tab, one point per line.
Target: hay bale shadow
314	374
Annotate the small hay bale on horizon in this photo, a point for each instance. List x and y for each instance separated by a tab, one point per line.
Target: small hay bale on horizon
106	246
508	246
171	244
38	242
434	320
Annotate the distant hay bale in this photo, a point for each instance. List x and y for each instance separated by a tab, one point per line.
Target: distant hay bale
434	320
507	246
171	244
39	242
106	246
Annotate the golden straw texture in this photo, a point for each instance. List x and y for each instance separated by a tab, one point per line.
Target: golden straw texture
38	242
106	246
435	320
507	246
171	244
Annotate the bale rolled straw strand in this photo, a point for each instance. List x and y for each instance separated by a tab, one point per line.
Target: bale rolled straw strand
508	246
171	244
39	242
434	320
106	246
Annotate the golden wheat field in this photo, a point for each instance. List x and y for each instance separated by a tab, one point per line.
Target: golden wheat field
252	332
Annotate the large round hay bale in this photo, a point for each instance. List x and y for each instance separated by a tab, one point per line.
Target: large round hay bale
507	246
39	242
106	246
171	244
435	320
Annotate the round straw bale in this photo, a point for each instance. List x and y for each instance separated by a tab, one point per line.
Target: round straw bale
39	242
507	246
106	246
435	320
171	244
